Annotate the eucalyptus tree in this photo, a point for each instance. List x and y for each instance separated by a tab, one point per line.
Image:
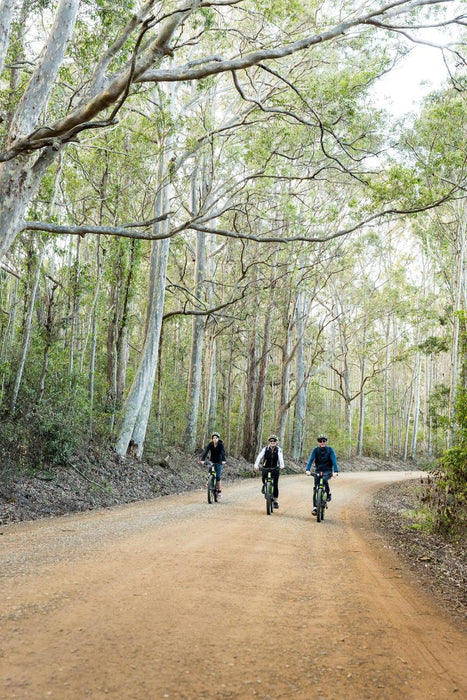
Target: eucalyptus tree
438	145
198	323
136	47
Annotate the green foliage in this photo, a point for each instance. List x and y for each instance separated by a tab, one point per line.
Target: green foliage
44	436
438	406
434	345
447	491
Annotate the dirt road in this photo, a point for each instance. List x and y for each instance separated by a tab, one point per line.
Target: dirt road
177	599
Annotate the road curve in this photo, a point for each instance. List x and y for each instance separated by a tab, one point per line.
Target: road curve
175	598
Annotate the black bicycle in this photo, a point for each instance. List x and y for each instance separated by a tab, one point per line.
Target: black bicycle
212	483
269	493
320	496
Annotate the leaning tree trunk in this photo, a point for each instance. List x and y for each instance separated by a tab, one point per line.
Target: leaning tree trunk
135	412
20	177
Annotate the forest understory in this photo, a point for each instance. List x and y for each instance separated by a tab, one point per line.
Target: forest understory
100	479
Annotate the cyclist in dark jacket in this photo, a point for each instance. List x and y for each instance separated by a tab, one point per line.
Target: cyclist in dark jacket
272	460
325	461
216	448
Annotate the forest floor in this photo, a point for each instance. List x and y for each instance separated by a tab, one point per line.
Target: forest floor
99	479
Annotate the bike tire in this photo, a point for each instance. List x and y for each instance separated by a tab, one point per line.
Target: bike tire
211	490
319	505
269	506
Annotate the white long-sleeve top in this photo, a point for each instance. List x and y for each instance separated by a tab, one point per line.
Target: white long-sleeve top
280	457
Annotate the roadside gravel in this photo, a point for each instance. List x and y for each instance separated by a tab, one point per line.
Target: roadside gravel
98	479
439	566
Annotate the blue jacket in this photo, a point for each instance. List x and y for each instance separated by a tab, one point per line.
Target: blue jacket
324	459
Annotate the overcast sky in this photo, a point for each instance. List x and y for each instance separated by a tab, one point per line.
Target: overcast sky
402	90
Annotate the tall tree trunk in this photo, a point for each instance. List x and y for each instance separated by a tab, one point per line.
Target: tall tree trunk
27	333
94	327
301	384
261	384
197	340
409	411
249	443
284	389
211	402
361	417
135	412
386	437
459	301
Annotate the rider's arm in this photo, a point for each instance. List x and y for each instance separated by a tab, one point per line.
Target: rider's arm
259	458
332	454
222	454
281	459
203	456
311	460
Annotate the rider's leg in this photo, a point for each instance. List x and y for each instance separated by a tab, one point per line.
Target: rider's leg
315	488
326	477
275	483
218	477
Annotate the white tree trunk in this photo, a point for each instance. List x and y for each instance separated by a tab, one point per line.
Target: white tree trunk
197	342
300	403
136	409
135	412
27	333
6	13
386	441
416	409
459	300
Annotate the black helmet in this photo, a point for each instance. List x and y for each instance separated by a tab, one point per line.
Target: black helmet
216	435
322	437
273	437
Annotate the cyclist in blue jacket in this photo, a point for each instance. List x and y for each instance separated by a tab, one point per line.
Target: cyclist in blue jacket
325	461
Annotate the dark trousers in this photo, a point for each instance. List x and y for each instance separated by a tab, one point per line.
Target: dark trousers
326	477
275	479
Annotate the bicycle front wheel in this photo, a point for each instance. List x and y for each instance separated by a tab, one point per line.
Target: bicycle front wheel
211	490
319	505
269	507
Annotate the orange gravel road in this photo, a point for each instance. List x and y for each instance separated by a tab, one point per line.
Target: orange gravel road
174	598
